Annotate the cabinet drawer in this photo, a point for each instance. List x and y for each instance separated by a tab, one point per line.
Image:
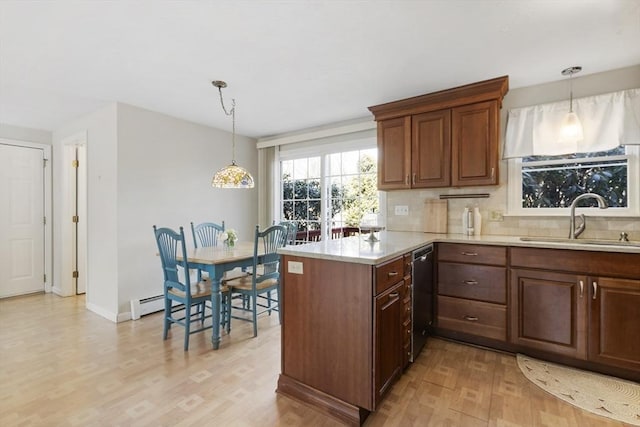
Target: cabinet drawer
472	254
478	282
585	262
389	274
473	317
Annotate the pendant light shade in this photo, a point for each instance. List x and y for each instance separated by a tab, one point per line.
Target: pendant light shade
571	127
232	176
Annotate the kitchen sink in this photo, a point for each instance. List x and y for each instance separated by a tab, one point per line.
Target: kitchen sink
580	241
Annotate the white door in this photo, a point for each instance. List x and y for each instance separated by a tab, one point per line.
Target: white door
21	220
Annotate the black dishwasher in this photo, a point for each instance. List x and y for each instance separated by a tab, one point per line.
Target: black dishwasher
422	310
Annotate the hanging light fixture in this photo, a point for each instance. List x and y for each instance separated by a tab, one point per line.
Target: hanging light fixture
571	128
232	176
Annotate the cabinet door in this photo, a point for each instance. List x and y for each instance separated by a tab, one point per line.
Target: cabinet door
614	330
548	311
388	339
474	150
431	149
394	153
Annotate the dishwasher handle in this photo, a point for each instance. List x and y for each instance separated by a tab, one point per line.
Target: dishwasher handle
423	255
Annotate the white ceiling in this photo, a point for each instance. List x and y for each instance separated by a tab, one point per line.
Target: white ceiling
290	64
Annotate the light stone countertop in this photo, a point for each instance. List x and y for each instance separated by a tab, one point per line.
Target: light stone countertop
391	244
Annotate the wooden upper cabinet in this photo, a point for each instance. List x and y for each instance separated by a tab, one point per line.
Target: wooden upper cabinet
431	149
451	137
474	148
394	153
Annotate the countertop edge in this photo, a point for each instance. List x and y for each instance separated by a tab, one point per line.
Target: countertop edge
405	242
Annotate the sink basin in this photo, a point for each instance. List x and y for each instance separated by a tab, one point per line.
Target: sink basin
580	241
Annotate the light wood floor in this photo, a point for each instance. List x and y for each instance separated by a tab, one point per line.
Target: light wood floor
62	365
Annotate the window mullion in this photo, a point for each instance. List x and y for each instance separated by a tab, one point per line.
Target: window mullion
325	197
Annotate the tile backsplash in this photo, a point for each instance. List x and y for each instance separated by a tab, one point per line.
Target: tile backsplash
551	226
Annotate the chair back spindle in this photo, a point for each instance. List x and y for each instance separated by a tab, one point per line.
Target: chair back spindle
206	234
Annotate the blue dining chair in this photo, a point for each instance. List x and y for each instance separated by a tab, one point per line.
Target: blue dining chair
206	234
180	297
264	280
292	231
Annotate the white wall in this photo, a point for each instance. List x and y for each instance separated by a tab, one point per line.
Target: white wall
146	168
25	134
102	219
165	166
599	227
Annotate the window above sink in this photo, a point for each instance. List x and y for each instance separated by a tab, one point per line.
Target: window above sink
546	185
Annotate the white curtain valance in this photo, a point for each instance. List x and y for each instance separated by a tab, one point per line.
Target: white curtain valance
608	120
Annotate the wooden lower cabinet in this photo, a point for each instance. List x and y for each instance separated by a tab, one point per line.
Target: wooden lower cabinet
388	342
342	333
548	311
614	326
472	291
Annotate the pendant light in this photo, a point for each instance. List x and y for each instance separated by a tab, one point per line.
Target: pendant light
571	128
232	176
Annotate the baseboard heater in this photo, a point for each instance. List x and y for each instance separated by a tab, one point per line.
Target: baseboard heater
144	306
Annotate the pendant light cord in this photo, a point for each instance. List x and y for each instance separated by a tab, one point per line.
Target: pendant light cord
570	93
231	113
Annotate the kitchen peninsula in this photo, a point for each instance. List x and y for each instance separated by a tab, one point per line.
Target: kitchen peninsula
343	303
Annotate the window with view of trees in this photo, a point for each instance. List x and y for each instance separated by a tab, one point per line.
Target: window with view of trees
348	180
555	181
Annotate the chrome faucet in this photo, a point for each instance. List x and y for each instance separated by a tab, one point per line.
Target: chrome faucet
573	232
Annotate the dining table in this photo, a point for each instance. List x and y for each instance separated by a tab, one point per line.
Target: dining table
216	260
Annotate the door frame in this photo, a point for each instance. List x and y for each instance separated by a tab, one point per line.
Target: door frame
47	192
73	254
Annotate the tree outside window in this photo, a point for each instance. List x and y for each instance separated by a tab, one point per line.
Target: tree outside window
351	178
555	181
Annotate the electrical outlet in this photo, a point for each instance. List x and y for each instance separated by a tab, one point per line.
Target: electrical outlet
402	210
294	267
496	216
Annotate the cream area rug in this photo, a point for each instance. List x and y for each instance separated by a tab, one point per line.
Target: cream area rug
607	396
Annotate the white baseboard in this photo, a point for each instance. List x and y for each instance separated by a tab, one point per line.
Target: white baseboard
104	313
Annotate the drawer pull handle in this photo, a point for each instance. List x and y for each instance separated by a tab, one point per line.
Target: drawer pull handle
595	290
469	282
392	273
394	295
471	318
469	253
